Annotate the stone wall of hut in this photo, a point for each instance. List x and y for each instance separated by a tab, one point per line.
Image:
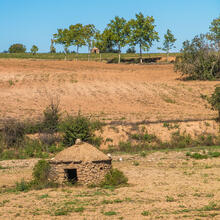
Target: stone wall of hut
87	172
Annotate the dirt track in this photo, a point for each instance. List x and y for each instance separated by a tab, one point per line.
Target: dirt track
109	91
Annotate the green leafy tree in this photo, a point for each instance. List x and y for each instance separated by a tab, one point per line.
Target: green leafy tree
63	37
89	34
214	34
142	32
17	48
168	43
77	36
118	33
104	41
34	49
214	100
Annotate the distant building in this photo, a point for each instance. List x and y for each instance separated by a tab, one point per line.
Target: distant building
95	50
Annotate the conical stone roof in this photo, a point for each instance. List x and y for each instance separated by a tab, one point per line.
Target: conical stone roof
82	152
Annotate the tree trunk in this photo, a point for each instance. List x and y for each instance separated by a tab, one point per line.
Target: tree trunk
119	54
168	53
141	60
77	49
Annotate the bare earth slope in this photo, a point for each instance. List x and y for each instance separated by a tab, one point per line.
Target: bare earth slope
112	91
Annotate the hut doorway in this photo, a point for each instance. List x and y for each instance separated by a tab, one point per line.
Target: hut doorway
71	175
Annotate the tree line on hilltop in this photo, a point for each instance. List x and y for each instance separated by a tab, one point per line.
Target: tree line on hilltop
198	58
119	33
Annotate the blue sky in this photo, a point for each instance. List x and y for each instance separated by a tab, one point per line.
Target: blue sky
35	21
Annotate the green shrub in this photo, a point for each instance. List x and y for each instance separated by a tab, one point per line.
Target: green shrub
41	172
76	127
114	178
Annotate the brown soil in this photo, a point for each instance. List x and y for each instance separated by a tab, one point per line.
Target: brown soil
164	185
108	91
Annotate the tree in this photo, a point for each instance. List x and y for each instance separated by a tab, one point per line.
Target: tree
168	43
104	41
214	34
131	50
52	48
89	34
17	48
77	36
214	100
34	49
63	37
142	32
198	60
118	33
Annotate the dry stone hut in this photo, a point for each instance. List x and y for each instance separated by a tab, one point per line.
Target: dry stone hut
80	163
95	50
